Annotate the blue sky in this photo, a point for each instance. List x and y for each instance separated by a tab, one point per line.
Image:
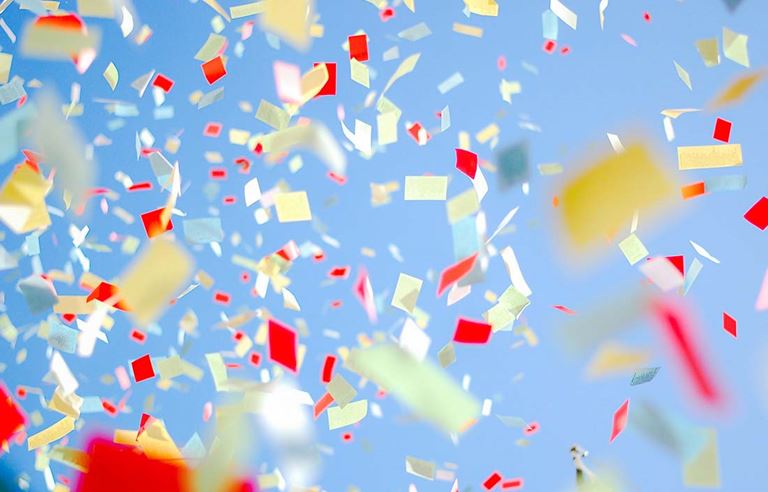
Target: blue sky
604	85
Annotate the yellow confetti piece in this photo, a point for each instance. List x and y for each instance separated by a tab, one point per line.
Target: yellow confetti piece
159	273
351	414
683	74
111	75
487	133
288	19
246	10
703	470
709	156
738	89
426	187
483	7
406	292
293	207
473	31
634	250
606	195
5	67
708	51
52	433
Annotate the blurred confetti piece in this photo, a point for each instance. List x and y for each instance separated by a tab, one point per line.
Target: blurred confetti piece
429	393
289	19
642	376
703	470
351	414
149	283
54	432
619	420
605	196
738	89
709	156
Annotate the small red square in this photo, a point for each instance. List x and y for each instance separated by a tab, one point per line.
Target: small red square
163	82
221	297
212	129
329	89
255	358
466	162
214	70
758	214
282	345
729	324
153	225
358	47
722	130
549	46
142	368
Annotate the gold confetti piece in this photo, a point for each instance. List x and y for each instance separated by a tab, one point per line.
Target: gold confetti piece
159	273
634	250
246	10
96	8
292	207
5	67
426	187
46	42
475	32
74	458
420	468
708	51
735	47
351	414
406	292
410	4
708	156
74	305
681	72
615	359
703	470
606	195
22	201
427	390
462	205
313	82
738	89
52	433
111	75
482	7
288	19
487	133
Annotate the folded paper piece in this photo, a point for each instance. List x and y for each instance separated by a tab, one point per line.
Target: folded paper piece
341	391
406	292
22	200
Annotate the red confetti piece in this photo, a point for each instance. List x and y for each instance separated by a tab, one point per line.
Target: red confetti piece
679	262
329	89
145	185
212	130
515	483
163	83
455	272
758	214
549	46
218	173
11	417
346	437
138	336
323	403
565	50
340	180
386	14
255	358
282	345
722	130
492	481
142	368
501	62
469	331
364	294
120	468
109	407
419	134
330	361
108	294
221	297
153	224
564	309
229	200
339	272
68	317
531	428
290	251
358	47
214	70
680	339
729	324
620	420
466	162
647	16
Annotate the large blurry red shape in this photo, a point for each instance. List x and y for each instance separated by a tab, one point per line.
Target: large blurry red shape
455	272
680	338
11	417
153	223
117	468
282	345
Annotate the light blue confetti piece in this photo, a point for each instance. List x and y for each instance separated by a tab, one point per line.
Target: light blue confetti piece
203	231
549	25
62	337
644	375
164	113
465	240
731	182
690	276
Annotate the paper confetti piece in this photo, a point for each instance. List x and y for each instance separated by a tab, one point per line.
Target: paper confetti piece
708	51
620	418
643	376
111	76
758	214
709	156
563	13
426	187
420	468
703	470
729	324
351	414
634	250
52	433
293	207
735	47
683	74
469	331
282	345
